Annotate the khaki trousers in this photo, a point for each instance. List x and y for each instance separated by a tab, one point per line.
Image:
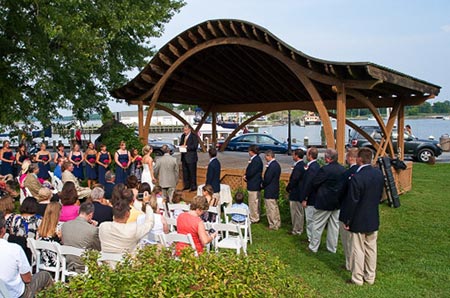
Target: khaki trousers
330	219
309	212
363	257
273	214
297	216
345	238
253	205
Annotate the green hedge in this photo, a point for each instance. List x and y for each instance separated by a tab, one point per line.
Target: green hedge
154	273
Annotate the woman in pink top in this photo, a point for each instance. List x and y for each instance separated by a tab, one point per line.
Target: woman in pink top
69	201
191	223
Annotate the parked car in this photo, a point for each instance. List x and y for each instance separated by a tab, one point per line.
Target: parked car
156	145
263	141
419	149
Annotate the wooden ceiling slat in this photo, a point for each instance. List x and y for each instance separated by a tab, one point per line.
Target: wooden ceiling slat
174	50
193	38
212	29
148	78
246	31
224	29
183	43
165	59
257	34
235	30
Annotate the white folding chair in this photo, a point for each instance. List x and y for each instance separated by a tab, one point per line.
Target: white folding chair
64	251
41	245
27	192
34	254
246	225
168	239
180	207
215	210
229	237
172	222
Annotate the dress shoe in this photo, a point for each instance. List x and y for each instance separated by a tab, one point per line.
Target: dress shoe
294	233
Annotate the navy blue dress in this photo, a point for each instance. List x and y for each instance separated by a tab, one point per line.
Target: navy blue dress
122	174
44	168
77	170
91	172
7	167
101	169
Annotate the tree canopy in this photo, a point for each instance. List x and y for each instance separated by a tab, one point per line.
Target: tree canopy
68	54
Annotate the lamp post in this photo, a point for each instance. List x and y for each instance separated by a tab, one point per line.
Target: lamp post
289	133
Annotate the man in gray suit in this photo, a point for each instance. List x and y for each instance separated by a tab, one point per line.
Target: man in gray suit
82	232
67	175
166	171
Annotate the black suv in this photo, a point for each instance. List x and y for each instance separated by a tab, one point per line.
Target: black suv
418	149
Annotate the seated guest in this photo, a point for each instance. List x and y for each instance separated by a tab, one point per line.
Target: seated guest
128	196
58	168
23	172
238	203
81	232
69	201
31	180
160	225
8	208
117	193
44	196
177	198
109	184
50	230
16	271
191	223
103	212
68	176
27	223
119	236
143	188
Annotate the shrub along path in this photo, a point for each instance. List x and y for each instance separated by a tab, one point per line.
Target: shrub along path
413	246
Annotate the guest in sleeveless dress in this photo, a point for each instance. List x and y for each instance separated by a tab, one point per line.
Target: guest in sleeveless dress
7	158
103	161
76	158
91	166
122	158
43	160
160	225
50	230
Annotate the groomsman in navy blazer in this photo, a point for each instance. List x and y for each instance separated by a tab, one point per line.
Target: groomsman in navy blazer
293	188
253	177
271	185
213	172
362	218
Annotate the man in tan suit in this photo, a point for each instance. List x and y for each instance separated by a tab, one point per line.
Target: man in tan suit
67	175
31	181
166	171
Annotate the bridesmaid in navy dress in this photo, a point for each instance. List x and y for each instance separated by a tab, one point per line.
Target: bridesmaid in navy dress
21	156
76	158
7	157
91	166
60	153
43	160
122	158
103	161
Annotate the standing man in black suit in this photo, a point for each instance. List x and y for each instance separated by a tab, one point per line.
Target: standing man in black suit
253	177
189	158
350	159
271	185
293	188
308	193
327	183
362	218
213	173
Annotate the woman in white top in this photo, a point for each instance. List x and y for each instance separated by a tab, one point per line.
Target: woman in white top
160	225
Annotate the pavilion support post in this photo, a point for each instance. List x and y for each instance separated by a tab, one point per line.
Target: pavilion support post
148	119
340	112
400	130
141	122
214	129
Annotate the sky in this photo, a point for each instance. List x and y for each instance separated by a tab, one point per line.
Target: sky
410	36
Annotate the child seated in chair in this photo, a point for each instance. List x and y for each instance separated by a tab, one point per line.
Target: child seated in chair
238	203
177	198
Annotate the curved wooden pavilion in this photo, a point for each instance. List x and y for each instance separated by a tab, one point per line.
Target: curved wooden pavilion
235	66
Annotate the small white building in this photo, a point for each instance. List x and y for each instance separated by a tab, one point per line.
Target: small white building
159	117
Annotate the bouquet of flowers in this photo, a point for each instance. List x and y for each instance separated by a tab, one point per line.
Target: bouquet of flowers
138	159
124	164
91	160
12	157
106	161
76	159
45	158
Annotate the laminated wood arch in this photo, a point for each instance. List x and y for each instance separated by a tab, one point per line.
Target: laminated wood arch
236	66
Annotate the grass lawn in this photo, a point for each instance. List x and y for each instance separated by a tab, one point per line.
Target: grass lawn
413	246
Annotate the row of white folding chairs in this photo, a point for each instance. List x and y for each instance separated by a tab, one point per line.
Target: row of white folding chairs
56	182
61	251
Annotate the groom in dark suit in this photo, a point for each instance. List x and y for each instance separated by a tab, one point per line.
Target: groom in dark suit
189	158
213	172
362	219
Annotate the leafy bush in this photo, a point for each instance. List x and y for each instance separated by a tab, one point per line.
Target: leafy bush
154	273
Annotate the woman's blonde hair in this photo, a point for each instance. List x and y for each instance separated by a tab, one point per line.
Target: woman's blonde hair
44	194
47	228
146	149
26	163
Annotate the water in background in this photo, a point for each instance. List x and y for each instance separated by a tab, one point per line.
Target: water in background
422	128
